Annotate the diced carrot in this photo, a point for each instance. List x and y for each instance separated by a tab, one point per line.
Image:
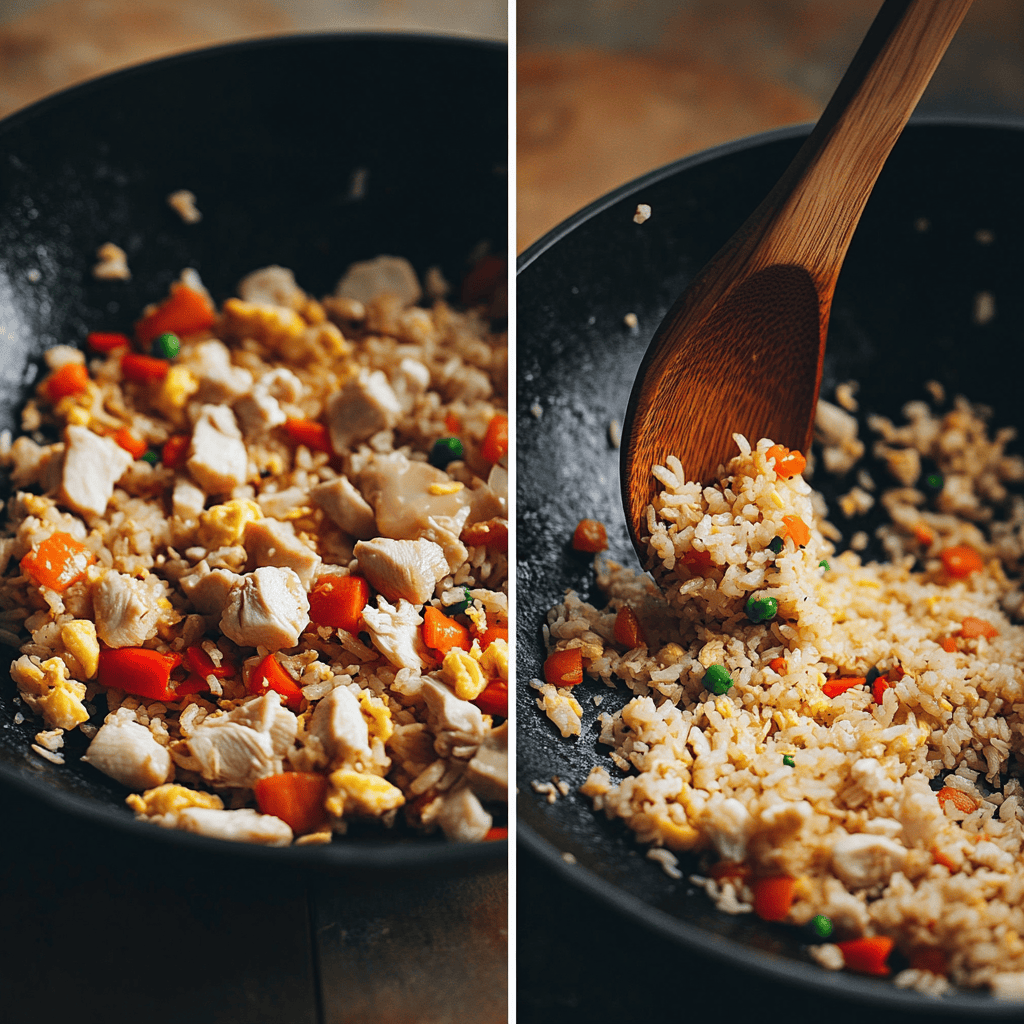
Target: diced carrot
960	800
139	671
923	535
452	424
961	560
497	832
929	959
480	283
878	688
729	869
175	451
867	955
787	463
59	561
840	684
201	663
297	798
797	529
972	628
184	311
338	602
590	536
441	633
773	896
778	665
492	533
142	369
106	341
270	675
564	668
312	434
698	562
493	699
628	630
69	379
948	644
495	444
490	634
130	442
944	859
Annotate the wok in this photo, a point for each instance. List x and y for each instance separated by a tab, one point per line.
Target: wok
903	314
306	151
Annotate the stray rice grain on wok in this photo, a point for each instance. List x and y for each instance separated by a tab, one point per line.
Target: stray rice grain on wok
258	556
838	742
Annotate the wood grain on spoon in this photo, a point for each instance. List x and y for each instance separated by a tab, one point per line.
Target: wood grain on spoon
741	350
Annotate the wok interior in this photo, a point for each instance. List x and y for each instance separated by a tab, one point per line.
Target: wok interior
903	314
308	152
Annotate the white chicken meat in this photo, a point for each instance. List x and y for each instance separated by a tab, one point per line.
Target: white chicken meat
128	753
402	569
269	609
92	465
217	457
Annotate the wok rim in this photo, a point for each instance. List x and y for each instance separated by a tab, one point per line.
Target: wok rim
416	852
881	993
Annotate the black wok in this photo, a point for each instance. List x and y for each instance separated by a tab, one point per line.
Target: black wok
903	313
306	151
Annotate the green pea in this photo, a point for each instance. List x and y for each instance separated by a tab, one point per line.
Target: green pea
787	760
761	609
821	926
152	457
445	450
167	346
717	679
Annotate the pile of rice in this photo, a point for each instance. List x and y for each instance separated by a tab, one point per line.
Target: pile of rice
403	738
902	816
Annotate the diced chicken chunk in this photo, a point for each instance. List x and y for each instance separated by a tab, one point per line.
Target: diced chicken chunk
447	713
272	542
261	409
395	632
126	609
410	380
219	379
402	569
364	406
346	507
338	723
862	859
217	458
128	753
207	589
244	745
92	465
384	275
244	825
268	609
462	817
187	500
273	286
487	772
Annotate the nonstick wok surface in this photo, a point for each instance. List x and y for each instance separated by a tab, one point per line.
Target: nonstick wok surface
306	151
903	314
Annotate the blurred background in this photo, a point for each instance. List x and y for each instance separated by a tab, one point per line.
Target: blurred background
46	45
610	89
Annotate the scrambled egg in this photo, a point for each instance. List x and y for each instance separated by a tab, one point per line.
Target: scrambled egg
79	637
225	524
171	798
274	326
361	794
48	690
463	674
494	660
377	715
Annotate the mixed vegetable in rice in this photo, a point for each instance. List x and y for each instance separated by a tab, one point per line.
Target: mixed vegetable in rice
838	744
258	555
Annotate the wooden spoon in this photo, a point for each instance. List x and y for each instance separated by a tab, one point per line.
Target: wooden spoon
741	350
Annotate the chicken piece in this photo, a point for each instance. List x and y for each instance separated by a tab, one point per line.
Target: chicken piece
217	457
384	275
365	405
410	380
361	794
268	609
92	465
462	817
239	747
244	825
862	859
402	569
128	753
31	463
272	542
219	379
258	412
395	632
126	609
187	500
272	286
338	723
487	772
346	507
47	689
207	589
446	713
404	496
278	504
